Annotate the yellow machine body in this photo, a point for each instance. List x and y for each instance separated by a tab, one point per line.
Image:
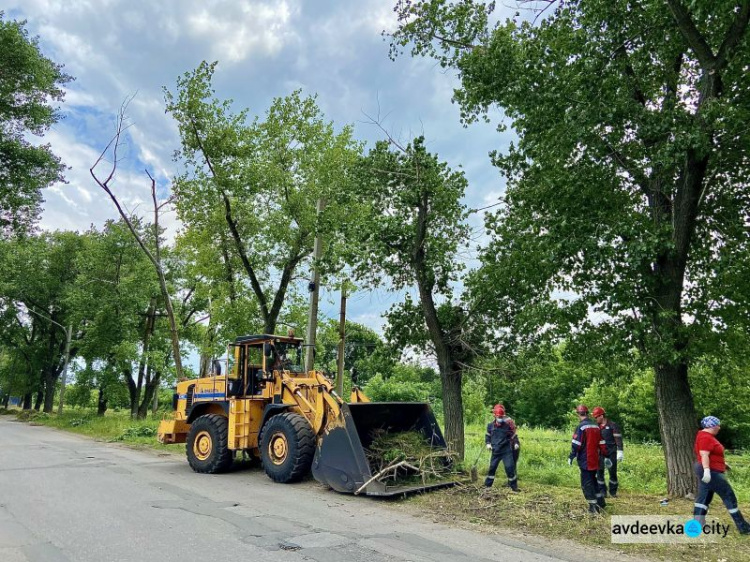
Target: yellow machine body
267	406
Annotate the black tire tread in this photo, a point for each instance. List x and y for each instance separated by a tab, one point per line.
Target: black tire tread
222	457
305	447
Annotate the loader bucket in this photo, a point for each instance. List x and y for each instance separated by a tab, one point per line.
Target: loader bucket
340	460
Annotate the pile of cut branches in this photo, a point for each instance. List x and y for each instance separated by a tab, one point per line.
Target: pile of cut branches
406	457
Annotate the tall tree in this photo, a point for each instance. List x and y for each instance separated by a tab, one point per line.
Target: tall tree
39	273
30	83
410	226
154	255
264	176
627	188
114	302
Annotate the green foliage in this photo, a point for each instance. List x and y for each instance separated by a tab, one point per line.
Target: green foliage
36	310
629	401
365	352
474	400
78	422
625	217
411	224
720	389
407	383
538	386
80	395
249	195
379	389
29	84
407	197
136	431
32	416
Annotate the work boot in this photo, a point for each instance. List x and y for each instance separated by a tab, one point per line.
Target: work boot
612	494
600	502
595	509
743	527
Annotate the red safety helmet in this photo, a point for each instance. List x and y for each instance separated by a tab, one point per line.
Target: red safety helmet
598	411
582	409
498	410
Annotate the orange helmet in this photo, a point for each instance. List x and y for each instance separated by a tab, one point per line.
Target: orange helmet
498	410
582	410
598	411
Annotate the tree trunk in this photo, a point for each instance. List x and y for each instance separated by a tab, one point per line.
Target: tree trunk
39	400
453	406
101	404
128	376
677	426
49	390
135	395
148	395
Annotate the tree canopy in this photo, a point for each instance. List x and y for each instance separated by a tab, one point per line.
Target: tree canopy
253	186
30	84
626	211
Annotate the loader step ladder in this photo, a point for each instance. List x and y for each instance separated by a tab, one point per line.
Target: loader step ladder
239	424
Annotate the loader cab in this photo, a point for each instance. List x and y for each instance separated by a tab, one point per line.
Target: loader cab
254	358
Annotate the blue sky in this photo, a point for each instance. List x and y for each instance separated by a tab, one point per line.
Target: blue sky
265	49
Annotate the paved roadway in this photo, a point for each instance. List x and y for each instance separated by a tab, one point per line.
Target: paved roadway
67	498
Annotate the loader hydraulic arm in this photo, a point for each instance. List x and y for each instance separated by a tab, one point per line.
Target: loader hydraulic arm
315	397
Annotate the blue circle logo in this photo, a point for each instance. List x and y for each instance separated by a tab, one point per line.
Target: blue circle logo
693	528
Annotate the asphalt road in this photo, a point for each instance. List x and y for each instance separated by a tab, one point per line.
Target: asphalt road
67	498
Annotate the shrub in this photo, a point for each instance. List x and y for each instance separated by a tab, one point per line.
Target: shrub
135	431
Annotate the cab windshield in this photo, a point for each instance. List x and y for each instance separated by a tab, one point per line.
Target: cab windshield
288	356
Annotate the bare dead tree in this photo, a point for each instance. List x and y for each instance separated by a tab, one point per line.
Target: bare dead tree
155	257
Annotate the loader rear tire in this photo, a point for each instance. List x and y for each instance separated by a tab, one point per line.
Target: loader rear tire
208	445
287	447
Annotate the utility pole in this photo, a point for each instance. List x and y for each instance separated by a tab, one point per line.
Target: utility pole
68	337
342	341
312	321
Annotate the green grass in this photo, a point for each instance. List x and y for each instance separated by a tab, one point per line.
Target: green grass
550	505
112	427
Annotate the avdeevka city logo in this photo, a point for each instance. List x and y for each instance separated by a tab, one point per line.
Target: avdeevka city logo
693	528
664	529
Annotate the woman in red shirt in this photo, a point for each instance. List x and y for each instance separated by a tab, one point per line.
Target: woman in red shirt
710	468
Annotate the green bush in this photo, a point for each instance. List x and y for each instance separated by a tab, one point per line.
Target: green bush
474	396
32	415
136	431
631	404
407	383
379	389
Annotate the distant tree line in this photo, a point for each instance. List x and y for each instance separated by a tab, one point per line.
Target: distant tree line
614	270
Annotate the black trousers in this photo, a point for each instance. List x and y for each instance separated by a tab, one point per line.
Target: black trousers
506	456
601	484
720	486
594	498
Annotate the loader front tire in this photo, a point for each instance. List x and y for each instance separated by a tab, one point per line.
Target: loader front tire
207	444
287	447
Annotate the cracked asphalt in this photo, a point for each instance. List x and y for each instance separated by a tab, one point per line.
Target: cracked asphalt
67	498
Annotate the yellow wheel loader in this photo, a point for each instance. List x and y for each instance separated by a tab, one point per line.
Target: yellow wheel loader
267	406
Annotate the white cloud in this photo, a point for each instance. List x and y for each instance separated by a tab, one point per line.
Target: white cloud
236	30
265	48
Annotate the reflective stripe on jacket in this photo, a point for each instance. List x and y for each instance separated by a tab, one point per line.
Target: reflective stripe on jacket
587	445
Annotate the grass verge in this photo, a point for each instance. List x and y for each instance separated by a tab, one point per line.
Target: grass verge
550	505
